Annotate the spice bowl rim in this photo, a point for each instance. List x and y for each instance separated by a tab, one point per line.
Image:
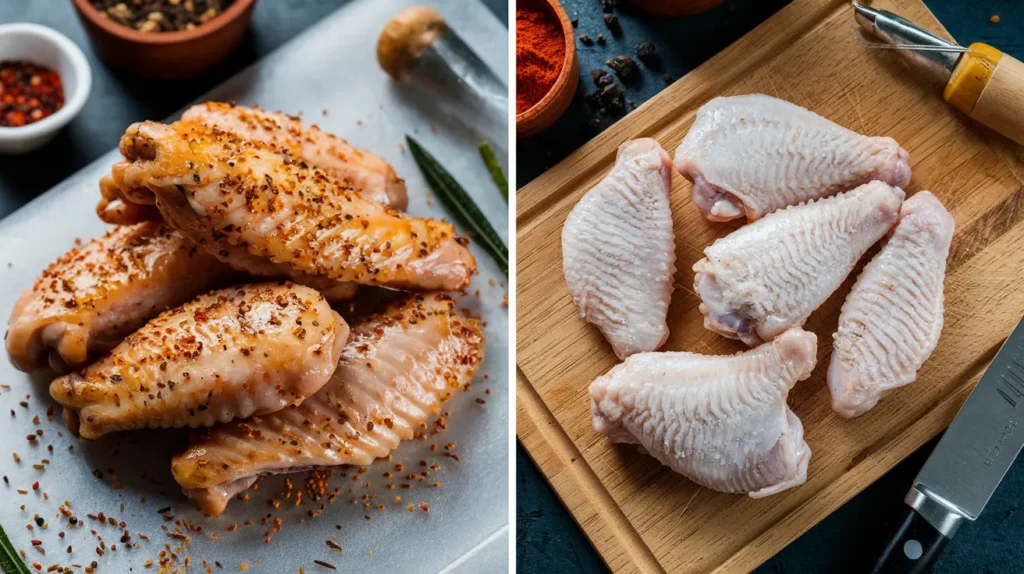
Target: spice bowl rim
568	68
73	102
234	11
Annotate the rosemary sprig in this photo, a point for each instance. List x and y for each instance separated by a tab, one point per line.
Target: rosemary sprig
10	563
458	202
491	161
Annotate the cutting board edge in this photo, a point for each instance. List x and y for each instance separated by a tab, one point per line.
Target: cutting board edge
566	457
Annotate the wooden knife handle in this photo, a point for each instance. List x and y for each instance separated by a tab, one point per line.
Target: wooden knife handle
988	86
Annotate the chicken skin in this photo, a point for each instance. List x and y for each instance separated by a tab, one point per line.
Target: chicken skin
722	422
398	368
228	354
619	253
770	275
754	154
363	172
891	321
264	214
88	300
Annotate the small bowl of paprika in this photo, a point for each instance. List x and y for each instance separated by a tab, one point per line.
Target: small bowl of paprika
44	83
547	67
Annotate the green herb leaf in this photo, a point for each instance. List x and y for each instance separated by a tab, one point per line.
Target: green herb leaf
458	202
10	562
491	161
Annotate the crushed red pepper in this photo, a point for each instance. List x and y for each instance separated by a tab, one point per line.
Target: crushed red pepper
28	93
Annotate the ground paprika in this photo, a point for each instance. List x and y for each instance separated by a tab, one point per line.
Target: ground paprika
540	53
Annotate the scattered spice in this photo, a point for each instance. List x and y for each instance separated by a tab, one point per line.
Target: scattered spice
161	15
585	40
327	565
540	52
601	39
28	93
623	66
612	22
646	51
994	19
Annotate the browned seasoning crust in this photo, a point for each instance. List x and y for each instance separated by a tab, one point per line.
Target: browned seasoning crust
230	353
397	369
86	301
367	174
246	204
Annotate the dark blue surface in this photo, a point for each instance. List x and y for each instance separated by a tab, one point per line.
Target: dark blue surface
117	99
547	538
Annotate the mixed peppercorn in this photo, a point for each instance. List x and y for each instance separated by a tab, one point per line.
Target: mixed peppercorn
161	15
28	93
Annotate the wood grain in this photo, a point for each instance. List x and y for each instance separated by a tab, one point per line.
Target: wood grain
642	517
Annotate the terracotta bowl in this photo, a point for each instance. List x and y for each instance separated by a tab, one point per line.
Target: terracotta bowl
676	8
166	55
551	107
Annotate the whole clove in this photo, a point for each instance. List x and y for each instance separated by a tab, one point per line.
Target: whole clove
623	66
601	78
645	51
612	22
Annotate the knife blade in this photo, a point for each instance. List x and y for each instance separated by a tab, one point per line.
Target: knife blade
967	465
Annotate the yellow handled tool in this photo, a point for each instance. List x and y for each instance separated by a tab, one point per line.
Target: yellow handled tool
981	81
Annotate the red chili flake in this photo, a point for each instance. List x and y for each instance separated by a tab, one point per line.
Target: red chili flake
424	506
28	93
36	542
35	485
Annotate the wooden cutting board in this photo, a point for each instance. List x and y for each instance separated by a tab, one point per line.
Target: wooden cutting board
639	515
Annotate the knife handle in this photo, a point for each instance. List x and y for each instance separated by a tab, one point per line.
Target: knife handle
988	85
913	549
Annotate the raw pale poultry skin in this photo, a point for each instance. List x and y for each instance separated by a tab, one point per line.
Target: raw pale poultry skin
720	421
618	250
770	275
93	296
267	216
754	154
891	321
365	173
398	368
228	354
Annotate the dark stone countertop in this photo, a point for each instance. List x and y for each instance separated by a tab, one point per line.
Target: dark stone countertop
547	538
117	99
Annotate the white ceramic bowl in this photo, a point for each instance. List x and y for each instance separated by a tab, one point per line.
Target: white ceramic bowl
44	47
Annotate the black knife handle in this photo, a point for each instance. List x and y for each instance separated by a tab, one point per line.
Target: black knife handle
913	549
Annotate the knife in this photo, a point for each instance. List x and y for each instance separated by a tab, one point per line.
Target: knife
966	466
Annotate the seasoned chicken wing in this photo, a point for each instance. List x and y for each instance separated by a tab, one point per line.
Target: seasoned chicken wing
94	295
365	173
394	374
253	208
228	354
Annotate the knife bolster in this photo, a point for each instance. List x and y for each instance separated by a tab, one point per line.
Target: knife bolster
938	512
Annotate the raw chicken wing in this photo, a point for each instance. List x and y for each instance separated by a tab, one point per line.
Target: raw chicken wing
891	321
754	154
770	275
393	376
618	250
722	422
228	354
87	301
267	215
